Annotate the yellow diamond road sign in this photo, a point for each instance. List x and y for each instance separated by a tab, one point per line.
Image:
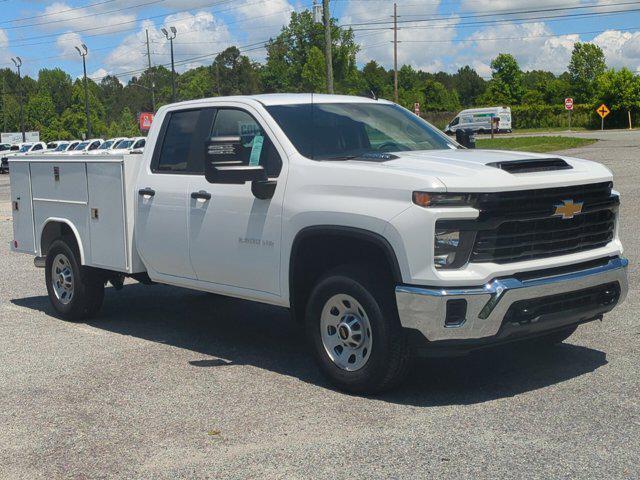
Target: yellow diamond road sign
603	110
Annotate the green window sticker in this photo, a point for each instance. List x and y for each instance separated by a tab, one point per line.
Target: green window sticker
256	150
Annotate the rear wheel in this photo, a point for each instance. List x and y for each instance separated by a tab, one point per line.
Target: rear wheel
76	292
353	328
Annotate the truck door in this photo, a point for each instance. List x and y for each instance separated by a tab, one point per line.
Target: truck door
235	237
163	192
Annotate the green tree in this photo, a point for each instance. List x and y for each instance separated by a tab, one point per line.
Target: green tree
586	65
288	53
469	85
438	98
620	90
57	84
377	80
236	74
505	86
314	77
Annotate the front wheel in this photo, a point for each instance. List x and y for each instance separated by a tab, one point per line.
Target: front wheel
76	292
353	328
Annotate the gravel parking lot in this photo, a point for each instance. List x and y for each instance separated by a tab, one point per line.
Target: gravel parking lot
169	383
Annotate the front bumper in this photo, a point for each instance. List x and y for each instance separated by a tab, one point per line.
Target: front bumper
502	308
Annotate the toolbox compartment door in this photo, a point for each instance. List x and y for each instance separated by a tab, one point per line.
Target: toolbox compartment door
107	225
22	209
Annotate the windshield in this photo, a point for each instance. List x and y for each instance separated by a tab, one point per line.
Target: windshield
4	147
106	145
25	148
82	146
336	131
61	147
125	144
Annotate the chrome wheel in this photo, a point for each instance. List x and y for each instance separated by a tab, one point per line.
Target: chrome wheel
62	279
346	332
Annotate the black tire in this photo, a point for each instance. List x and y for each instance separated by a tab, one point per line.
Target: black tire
389	358
554	338
88	284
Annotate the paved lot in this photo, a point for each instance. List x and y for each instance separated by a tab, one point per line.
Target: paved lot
169	383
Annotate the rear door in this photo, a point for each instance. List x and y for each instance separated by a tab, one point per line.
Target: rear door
161	225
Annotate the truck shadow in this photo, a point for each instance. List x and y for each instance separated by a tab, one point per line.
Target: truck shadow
235	332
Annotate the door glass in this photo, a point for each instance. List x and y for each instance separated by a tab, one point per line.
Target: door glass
178	141
256	147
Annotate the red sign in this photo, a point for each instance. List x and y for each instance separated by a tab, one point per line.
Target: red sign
416	108
146	119
568	103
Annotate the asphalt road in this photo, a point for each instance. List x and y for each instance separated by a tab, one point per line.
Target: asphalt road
169	383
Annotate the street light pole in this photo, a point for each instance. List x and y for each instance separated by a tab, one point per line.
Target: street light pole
83	53
170	37
18	63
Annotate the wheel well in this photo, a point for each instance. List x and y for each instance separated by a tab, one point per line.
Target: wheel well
318	250
53	230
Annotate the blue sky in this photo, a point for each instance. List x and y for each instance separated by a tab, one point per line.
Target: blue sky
435	34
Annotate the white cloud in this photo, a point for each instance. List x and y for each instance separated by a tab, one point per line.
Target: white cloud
61	15
532	44
198	35
621	49
497	5
377	44
67	42
5	54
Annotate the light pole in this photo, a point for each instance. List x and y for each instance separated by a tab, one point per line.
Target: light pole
18	63
83	53
170	37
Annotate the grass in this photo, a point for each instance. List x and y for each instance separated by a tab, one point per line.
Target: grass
548	130
534	144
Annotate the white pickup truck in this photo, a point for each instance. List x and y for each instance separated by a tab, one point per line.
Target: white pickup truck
383	236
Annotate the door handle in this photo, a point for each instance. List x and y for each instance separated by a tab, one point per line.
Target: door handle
147	192
201	195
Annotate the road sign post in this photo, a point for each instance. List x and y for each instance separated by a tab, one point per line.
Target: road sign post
568	105
603	111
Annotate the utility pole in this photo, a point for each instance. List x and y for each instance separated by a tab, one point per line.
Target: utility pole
170	37
153	93
18	63
83	51
4	102
395	52
327	44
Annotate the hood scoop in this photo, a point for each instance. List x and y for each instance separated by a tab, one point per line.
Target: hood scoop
532	165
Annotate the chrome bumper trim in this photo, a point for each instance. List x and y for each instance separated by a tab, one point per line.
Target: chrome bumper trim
424	309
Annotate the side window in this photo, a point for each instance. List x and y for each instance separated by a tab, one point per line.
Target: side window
178	142
256	147
140	144
455	121
37	147
93	146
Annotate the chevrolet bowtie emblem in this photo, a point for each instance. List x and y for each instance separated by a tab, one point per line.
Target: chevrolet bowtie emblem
568	209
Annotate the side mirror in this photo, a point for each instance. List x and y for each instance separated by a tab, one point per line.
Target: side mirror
466	138
222	164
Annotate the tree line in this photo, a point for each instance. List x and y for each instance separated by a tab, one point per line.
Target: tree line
54	101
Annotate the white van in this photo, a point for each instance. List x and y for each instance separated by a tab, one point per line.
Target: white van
479	120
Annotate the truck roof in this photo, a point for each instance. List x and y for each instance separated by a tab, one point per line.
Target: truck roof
269	99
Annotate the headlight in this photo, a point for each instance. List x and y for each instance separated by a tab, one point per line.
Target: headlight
427	199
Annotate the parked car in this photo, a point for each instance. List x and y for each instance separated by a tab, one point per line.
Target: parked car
381	235
86	146
108	145
131	144
20	149
479	120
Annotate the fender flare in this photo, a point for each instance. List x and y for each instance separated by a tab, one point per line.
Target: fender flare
353	232
74	230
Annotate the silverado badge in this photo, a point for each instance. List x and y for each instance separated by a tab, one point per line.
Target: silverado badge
568	209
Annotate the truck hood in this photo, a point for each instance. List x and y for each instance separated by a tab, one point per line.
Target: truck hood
471	170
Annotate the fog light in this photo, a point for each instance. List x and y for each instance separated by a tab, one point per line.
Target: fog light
446	243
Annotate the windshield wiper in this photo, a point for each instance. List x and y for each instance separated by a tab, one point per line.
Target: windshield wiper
339	158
